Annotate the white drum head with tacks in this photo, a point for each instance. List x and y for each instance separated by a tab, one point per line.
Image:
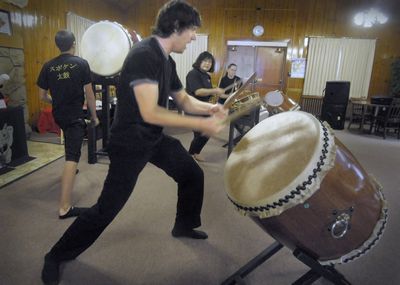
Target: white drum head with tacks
273	98
105	45
276	158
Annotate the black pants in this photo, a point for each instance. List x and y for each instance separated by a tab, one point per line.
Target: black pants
197	143
125	166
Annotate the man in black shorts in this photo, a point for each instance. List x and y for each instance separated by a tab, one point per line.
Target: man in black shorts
147	79
68	79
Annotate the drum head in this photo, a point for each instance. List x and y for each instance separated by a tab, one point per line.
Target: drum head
275	158
105	45
273	98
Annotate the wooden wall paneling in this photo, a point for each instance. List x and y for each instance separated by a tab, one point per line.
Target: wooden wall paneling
293	20
41	19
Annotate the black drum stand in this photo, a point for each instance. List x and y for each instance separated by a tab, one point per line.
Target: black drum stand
316	269
105	119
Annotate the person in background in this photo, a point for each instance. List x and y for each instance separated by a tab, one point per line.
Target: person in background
148	77
68	78
230	82
198	84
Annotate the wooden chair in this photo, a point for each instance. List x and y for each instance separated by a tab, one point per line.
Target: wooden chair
390	120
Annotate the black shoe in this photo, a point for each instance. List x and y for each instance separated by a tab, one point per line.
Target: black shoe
189	234
72	212
51	270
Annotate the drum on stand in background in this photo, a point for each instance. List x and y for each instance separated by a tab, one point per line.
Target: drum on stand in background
105	45
277	102
305	188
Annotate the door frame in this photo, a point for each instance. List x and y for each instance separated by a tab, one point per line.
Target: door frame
272	44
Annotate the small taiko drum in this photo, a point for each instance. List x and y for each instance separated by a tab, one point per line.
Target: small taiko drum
305	188
278	99
105	45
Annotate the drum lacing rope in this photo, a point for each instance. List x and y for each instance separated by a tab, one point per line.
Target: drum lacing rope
373	242
299	188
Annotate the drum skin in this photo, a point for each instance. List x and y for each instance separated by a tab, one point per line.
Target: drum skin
279	100
308	226
105	45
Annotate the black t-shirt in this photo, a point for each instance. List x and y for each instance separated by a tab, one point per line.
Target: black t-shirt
146	62
65	76
226	81
197	79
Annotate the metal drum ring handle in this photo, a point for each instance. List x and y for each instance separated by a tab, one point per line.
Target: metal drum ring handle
340	226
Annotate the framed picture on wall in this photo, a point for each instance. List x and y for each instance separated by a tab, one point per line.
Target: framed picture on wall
5	22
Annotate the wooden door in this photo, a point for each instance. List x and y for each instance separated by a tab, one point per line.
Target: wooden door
267	62
269	66
244	58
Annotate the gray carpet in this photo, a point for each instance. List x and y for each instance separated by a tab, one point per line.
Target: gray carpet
137	247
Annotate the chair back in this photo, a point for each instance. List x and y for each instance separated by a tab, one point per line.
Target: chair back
357	109
393	114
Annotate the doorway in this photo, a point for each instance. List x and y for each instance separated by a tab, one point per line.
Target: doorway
267	59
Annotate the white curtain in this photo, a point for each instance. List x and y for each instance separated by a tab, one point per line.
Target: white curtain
78	25
339	59
185	60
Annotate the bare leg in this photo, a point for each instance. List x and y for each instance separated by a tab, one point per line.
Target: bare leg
67	184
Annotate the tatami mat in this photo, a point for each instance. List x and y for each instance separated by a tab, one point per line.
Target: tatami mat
43	154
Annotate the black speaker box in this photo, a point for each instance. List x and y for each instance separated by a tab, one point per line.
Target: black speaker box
337	92
335	115
334	104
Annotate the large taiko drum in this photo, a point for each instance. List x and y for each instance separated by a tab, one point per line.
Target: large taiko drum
105	45
305	188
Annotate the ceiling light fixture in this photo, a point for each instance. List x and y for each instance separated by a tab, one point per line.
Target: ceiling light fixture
369	18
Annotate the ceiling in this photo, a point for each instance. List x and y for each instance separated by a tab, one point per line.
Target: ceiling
122	4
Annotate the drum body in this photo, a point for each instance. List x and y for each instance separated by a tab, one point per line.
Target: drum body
278	99
105	45
305	188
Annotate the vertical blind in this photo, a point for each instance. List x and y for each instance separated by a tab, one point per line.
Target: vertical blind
78	25
185	60
339	59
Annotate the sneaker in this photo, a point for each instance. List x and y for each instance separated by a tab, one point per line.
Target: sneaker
72	212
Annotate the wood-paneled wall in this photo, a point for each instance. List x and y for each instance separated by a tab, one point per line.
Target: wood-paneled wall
34	28
294	20
35	25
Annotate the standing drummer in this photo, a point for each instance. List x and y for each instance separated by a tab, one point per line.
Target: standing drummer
147	79
68	79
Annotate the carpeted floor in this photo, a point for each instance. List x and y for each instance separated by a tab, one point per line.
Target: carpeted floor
137	248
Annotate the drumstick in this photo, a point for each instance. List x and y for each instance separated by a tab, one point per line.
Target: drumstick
231	99
242	111
232	85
